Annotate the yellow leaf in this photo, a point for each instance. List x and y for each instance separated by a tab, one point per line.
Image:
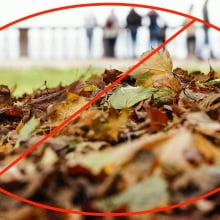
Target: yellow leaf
5	148
90	88
110	169
61	111
109	128
159	63
19	127
71	97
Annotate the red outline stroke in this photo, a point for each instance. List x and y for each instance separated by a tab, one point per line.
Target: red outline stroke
194	19
166	208
108	4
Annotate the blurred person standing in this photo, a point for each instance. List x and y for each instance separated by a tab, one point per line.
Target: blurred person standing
155	30
207	51
133	23
110	34
190	36
162	38
90	23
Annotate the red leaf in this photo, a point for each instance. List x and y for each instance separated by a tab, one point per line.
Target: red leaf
13	112
158	119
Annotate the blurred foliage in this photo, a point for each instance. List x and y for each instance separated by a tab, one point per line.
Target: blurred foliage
29	79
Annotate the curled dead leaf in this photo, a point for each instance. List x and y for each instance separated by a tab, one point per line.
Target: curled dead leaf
157	64
211	102
166	80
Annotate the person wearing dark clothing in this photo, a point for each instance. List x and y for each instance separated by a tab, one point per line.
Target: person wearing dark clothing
162	37
206	18
156	32
133	22
206	29
190	36
110	34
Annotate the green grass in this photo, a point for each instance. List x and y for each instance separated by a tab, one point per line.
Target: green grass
26	80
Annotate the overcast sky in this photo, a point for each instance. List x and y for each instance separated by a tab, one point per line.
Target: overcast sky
14	9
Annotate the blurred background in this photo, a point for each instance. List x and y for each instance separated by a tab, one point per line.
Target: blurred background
74	43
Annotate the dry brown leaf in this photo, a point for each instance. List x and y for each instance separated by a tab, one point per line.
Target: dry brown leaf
204	124
105	150
210	102
158	119
166	80
112	159
171	152
157	64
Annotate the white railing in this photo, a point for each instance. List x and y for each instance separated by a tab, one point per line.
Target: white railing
58	43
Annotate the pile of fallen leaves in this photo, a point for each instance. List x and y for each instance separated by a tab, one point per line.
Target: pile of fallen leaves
151	141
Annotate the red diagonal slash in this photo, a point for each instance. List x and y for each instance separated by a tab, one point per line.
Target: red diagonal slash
99	95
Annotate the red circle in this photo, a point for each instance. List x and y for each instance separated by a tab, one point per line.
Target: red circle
99	213
107	4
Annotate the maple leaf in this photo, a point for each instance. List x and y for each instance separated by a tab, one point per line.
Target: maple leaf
157	64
